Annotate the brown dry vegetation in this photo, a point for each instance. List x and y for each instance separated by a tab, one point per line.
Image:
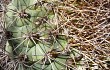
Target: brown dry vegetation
87	24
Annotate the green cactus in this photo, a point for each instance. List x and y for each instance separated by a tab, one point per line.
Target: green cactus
33	40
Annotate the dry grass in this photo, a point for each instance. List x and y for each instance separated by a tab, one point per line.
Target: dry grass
87	24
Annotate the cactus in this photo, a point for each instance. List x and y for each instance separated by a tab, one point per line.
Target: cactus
33	40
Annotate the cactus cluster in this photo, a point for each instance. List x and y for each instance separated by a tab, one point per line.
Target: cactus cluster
33	41
56	35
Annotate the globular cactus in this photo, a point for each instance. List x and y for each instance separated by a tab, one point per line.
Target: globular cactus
33	40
